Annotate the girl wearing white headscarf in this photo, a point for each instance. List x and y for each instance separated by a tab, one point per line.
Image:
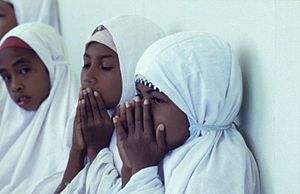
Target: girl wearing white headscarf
131	35
198	73
45	11
32	143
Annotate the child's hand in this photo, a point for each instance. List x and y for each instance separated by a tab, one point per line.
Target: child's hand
141	145
97	126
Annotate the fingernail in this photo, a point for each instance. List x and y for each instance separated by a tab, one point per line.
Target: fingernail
161	127
115	119
146	101
131	101
127	104
96	93
82	102
137	99
84	92
88	90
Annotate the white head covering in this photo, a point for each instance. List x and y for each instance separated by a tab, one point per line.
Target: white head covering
199	74
44	11
131	35
32	143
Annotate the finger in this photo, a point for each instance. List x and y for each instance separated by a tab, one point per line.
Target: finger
101	106
161	138
123	116
138	115
121	134
129	118
147	118
81	93
77	113
88	109
117	112
94	105
82	115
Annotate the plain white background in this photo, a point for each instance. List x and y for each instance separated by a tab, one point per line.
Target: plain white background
266	37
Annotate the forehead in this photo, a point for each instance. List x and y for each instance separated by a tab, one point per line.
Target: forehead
10	55
95	48
4	6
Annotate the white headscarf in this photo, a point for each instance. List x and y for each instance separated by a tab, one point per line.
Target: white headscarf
44	11
32	143
199	74
132	35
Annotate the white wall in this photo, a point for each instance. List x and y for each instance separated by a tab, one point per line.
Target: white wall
266	36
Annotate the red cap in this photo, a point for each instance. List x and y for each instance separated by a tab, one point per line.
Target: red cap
14	42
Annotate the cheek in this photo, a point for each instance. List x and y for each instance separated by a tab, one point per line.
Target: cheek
41	90
110	88
175	122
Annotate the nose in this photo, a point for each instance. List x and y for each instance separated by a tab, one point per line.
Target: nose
89	77
17	85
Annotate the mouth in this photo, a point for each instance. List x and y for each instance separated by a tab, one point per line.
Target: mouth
23	101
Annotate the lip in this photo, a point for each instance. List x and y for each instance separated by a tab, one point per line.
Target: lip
23	101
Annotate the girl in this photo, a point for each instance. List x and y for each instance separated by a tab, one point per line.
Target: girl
107	79
41	87
16	12
181	137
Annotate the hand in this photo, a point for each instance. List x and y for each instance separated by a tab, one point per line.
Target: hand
97	126
139	145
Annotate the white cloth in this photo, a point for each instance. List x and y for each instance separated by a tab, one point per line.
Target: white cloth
44	11
32	144
198	72
3	96
132	35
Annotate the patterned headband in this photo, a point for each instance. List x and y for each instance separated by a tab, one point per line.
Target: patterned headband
142	80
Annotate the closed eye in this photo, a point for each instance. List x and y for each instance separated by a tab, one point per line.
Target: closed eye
156	100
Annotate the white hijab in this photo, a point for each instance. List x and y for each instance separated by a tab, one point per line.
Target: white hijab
44	11
32	143
198	72
132	35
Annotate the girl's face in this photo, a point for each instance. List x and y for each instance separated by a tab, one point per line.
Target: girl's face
26	77
166	112
7	18
101	72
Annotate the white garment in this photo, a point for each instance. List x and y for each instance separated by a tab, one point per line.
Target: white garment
132	35
3	95
44	11
198	72
32	143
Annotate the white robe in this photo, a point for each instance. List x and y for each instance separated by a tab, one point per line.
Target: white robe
131	35
205	82
32	144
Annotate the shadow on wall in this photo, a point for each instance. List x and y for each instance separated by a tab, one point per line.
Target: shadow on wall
251	115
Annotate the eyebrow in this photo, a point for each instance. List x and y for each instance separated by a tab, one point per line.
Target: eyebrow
99	57
16	62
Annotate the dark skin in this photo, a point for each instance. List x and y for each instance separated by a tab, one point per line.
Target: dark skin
7	18
147	130
26	77
101	88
